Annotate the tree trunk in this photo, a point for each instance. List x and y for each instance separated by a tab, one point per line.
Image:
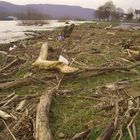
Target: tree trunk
43	131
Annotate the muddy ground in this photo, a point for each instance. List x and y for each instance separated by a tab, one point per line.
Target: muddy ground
89	102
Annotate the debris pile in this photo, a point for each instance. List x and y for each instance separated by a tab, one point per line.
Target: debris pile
42	70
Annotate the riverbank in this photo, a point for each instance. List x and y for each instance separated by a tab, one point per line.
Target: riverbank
12	31
84	100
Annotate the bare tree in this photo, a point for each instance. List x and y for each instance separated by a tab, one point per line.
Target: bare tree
99	13
108	11
32	17
109	8
118	14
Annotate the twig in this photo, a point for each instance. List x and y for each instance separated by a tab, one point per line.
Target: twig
89	98
81	135
4	100
134	131
9	101
121	133
129	125
9	130
60	81
9	65
116	113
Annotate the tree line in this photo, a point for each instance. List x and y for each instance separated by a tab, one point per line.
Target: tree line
109	11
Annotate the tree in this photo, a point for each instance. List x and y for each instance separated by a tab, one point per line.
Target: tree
32	17
109	8
99	13
118	14
130	14
108	11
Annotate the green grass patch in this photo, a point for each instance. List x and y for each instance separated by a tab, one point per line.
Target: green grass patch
68	115
101	24
19	74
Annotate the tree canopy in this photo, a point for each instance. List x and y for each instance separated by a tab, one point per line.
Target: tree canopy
108	11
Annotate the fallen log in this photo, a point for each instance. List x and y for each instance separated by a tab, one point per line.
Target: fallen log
43	131
113	68
16	83
42	62
91	71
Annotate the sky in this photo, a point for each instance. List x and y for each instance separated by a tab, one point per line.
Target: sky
125	4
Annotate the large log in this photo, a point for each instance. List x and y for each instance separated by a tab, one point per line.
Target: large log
16	83
42	62
43	131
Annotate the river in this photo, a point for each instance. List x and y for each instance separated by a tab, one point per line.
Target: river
11	31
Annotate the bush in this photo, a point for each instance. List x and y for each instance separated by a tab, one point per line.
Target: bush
33	17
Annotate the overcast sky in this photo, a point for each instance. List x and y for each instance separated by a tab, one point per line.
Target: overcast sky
125	4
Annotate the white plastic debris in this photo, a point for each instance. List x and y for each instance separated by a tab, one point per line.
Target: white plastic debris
63	59
12	48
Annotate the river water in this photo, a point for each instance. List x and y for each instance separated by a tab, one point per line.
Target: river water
11	31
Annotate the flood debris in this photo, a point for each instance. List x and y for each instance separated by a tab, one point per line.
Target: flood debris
43	131
131	50
66	32
42	62
46	78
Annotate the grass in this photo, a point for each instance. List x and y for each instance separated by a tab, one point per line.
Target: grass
70	113
102	24
19	74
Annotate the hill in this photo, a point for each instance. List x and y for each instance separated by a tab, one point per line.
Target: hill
55	11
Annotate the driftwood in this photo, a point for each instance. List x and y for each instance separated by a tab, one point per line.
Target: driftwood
43	131
16	83
9	130
113	68
107	133
42	62
21	105
130	124
93	50
82	135
4	115
9	65
7	98
92	71
10	100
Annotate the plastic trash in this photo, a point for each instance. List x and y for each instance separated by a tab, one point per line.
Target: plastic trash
12	48
63	59
60	38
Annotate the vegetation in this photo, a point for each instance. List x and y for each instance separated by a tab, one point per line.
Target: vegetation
33	17
108	11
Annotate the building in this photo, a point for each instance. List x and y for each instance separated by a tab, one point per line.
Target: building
137	14
10	18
